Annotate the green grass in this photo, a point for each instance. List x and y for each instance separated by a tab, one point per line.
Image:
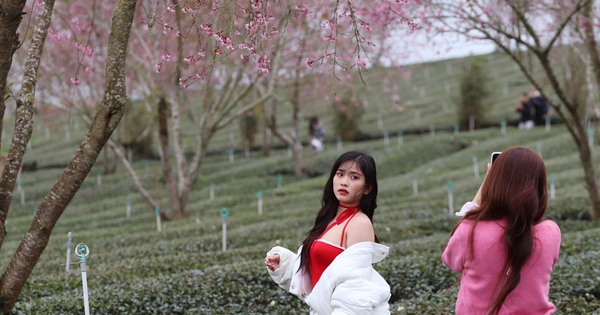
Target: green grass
133	269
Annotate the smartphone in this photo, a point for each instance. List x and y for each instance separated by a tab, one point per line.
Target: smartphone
495	156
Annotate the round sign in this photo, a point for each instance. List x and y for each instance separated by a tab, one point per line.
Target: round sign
224	213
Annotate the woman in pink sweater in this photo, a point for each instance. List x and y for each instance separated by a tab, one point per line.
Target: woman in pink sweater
503	247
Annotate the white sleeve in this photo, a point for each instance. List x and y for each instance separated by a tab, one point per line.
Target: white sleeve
283	275
466	208
359	297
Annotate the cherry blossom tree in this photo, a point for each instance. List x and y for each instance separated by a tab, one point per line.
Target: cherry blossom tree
536	35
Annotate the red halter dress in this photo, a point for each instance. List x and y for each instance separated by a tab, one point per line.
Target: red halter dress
322	252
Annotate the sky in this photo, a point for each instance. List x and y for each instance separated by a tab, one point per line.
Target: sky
446	49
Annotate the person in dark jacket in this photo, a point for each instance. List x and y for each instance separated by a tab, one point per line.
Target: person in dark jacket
540	107
524	108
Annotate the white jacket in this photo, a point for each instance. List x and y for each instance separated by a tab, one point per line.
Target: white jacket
349	285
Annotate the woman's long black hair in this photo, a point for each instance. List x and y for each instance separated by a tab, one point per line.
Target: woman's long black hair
329	203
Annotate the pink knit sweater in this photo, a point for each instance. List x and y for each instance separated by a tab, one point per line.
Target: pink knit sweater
480	275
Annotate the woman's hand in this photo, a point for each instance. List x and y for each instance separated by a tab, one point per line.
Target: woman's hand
477	198
272	262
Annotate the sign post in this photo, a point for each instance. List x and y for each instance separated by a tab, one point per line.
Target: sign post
224	214
82	251
259	194
450	198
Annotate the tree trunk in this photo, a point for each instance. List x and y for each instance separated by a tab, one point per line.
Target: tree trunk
163	131
585	155
12	14
111	110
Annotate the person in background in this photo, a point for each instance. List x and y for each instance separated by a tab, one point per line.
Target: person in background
540	107
524	108
503	246
317	133
333	269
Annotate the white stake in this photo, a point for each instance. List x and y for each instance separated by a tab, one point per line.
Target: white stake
591	137
339	144
128	210
69	240
400	138
224	214
539	149
67	132
28	146
259	193
129	155
450	199
147	165
552	188
158	223
386	137
99	179
289	150
212	191
231	157
475	167
471	123
503	127
82	251
415	184
548	123
456	129
279	182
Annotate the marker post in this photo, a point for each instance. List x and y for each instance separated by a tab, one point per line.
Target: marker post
99	178
456	129
279	182
552	187
158	223
450	198
231	156
339	143
471	123
69	242
212	191
591	137
386	137
548	125
475	167
259	194
82	251
415	184
400	138
503	127
128	210
224	214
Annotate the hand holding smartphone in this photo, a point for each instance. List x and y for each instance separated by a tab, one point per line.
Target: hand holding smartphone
495	155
